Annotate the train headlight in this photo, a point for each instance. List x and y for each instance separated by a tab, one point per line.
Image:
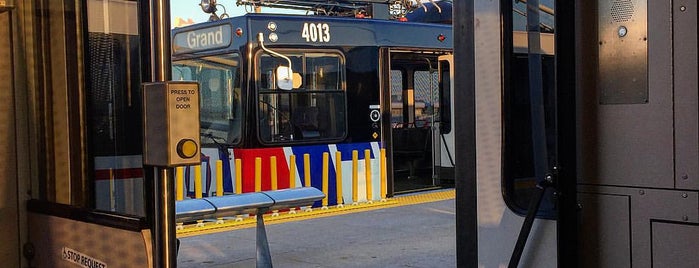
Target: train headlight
208	6
273	37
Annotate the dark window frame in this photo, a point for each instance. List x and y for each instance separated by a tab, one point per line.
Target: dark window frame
518	201
237	107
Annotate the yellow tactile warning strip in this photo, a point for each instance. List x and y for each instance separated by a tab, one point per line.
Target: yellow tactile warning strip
230	224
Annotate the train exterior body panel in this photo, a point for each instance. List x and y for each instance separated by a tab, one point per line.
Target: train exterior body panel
292	31
356	43
282	156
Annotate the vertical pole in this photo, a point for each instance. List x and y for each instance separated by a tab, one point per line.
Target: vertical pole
219	184
197	182
292	177
198	188
325	180
179	184
160	39
264	257
179	191
307	170
338	178
165	251
238	181
258	174
465	134
164	240
219	178
273	179
307	175
382	174
355	180
238	176
367	169
292	171
273	171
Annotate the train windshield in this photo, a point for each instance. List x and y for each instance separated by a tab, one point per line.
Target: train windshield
219	88
314	110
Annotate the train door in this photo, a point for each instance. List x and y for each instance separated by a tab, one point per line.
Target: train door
516	135
443	127
9	182
415	110
599	100
78	98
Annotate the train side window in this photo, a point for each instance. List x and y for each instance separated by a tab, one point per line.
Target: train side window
314	110
519	171
219	85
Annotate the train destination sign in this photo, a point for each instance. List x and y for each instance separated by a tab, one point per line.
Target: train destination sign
218	36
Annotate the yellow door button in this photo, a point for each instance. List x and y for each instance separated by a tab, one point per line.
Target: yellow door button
187	148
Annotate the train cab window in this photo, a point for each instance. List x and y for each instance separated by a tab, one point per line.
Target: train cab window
313	110
522	77
426	98
219	88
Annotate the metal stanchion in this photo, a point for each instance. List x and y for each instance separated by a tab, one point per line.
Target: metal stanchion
338	178
165	246
355	179
325	181
367	168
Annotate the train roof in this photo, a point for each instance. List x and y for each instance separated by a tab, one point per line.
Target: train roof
313	31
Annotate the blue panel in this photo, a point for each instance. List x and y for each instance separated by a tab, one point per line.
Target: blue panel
227	176
316	157
347	148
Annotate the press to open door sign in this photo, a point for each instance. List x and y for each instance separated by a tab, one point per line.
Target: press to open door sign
81	259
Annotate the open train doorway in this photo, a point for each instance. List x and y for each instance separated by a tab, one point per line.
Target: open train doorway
420	101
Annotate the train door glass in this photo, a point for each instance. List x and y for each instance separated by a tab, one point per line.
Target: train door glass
426	97
414	110
396	97
529	133
114	105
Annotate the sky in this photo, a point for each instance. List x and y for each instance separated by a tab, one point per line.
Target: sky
189	9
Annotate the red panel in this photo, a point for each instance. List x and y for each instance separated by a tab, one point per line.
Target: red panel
120	174
248	156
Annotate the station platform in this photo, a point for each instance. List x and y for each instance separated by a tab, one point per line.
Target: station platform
414	230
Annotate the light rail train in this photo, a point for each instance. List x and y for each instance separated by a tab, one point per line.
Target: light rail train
569	128
344	70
